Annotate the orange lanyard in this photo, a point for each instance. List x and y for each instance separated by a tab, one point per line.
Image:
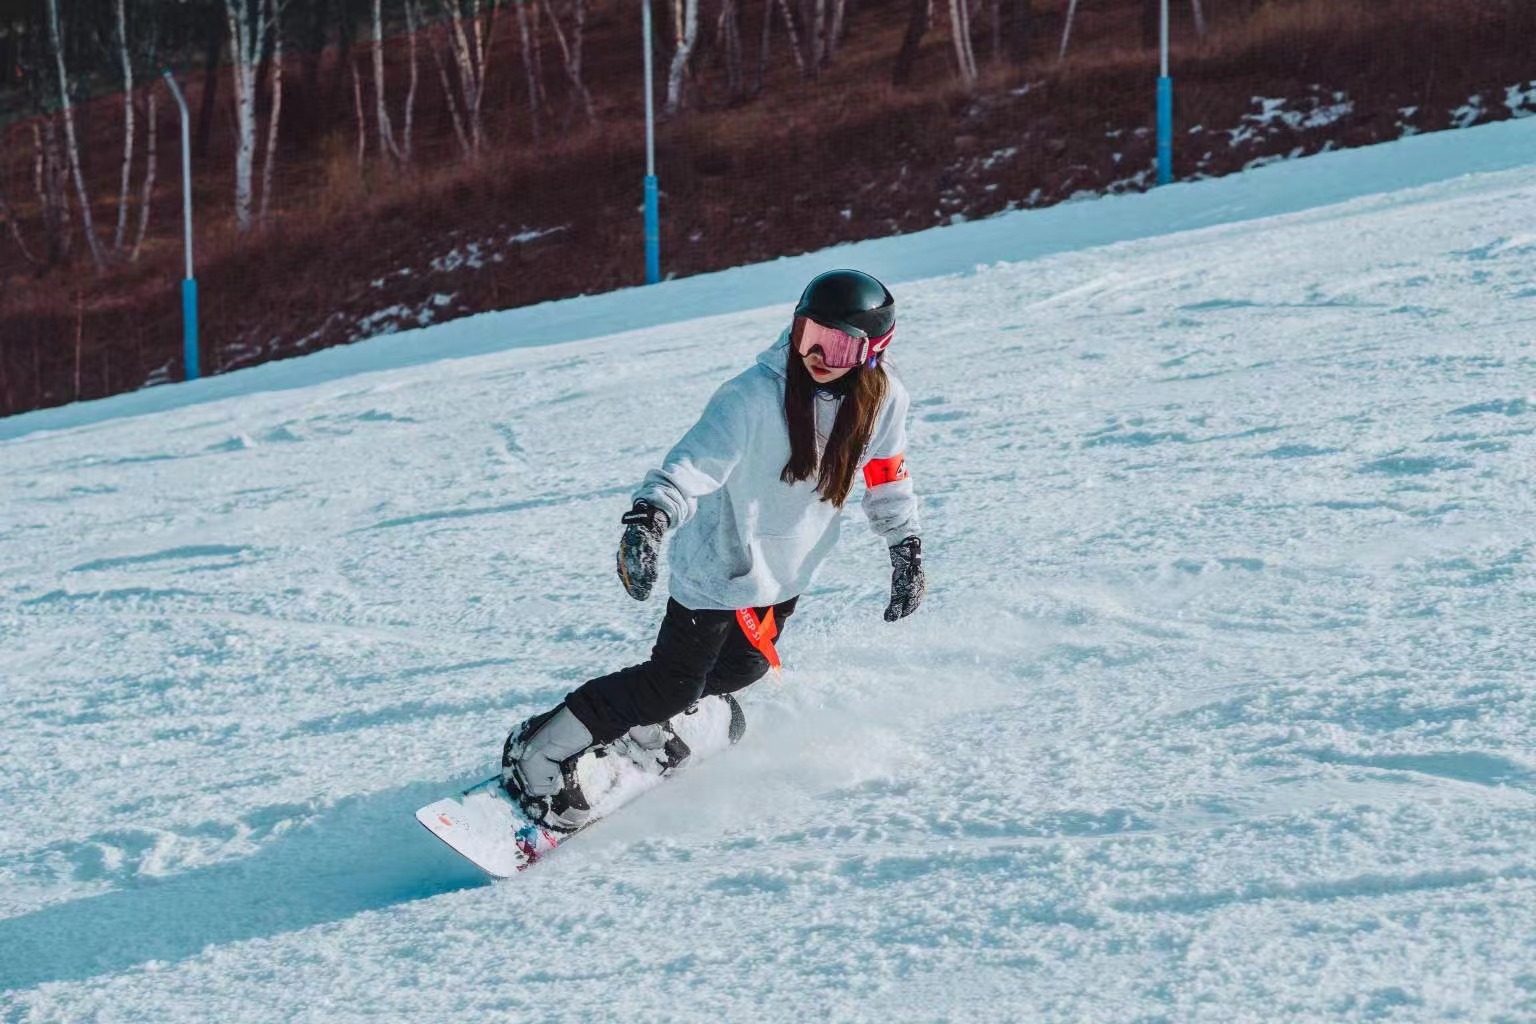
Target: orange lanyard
760	634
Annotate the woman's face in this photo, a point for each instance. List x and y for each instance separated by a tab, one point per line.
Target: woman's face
820	372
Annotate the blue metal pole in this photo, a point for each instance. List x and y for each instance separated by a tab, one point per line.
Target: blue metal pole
189	326
1164	130
652	231
652	193
1164	108
189	283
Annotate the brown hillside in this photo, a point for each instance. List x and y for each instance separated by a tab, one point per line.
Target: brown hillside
803	165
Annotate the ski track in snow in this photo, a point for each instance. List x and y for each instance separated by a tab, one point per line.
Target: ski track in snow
1219	708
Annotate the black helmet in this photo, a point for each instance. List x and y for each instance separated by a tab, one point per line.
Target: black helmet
851	301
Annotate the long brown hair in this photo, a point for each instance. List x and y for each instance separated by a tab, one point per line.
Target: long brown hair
833	468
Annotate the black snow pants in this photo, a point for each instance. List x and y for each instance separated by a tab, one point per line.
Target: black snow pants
696	653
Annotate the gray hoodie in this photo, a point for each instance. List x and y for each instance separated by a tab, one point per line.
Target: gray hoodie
743	538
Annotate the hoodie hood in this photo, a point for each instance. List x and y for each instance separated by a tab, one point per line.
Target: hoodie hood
776	356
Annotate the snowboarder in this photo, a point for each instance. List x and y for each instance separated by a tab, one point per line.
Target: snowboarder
753	492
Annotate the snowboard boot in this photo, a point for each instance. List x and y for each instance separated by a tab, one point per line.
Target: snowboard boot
538	769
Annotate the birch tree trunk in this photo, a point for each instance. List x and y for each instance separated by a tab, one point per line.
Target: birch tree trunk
960	28
275	87
1066	29
571	53
362	120
387	146
816	39
485	29
128	126
730	43
49	175
529	68
535	12
794	36
449	97
680	58
412	24
247	39
762	54
471	39
72	146
149	174
835	32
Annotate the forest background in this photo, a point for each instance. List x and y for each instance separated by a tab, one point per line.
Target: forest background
367	166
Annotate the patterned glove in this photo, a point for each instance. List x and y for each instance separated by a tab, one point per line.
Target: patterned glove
639	548
907	580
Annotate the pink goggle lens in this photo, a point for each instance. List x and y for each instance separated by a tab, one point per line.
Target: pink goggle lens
839	349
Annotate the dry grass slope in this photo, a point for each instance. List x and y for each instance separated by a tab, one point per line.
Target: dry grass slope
803	165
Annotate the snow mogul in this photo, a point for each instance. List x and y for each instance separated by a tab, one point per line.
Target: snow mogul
752	494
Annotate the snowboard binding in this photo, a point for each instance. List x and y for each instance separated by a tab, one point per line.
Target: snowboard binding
599	777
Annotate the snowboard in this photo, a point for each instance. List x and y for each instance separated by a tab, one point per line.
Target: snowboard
489	828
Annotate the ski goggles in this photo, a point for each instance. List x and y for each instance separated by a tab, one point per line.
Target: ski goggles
839	349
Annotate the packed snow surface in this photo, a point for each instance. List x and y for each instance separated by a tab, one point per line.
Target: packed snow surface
1219	708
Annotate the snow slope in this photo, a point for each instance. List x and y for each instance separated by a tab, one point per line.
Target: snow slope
1218	709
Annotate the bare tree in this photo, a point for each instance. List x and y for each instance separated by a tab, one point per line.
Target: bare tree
960	29
412	24
816	33
49	178
535	13
470	38
128	126
687	36
387	145
362	121
762	55
149	173
835	29
1066	28
248	25
530	67
781	10
571	53
275	89
823	21
728	35
55	35
450	97
794	37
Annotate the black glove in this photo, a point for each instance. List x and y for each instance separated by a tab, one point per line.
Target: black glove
640	547
907	580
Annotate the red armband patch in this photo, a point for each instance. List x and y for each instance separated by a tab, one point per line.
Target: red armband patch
885	471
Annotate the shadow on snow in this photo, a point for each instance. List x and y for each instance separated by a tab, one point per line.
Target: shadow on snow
364	853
